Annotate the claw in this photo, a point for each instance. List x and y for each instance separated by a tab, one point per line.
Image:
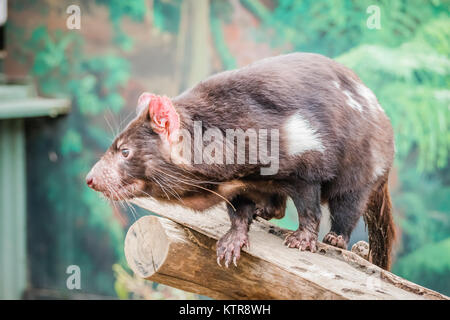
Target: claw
335	240
229	247
302	240
313	247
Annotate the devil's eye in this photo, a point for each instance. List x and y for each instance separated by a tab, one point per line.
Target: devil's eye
125	153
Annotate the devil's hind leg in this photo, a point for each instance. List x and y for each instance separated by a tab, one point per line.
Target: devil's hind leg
306	198
345	211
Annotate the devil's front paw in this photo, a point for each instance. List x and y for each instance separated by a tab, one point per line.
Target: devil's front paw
335	240
302	239
229	247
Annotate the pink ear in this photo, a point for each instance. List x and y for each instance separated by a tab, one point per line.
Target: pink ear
164	117
144	101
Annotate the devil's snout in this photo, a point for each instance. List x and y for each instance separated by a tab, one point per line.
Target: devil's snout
92	178
101	176
90	181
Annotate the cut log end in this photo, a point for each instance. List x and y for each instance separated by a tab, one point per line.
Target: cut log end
146	246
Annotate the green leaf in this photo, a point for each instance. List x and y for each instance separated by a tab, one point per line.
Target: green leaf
71	143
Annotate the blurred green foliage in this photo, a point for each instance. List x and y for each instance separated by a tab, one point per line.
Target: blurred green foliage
118	9
220	13
431	265
334	27
412	83
166	15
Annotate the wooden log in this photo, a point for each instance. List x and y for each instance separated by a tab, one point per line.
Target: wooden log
180	252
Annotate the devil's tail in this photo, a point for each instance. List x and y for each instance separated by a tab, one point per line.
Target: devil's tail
380	224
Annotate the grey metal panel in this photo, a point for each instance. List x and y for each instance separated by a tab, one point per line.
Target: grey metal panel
12	210
15	91
33	107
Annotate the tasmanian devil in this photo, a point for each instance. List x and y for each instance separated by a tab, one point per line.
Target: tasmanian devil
298	125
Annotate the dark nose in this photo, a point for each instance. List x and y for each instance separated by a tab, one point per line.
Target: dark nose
90	182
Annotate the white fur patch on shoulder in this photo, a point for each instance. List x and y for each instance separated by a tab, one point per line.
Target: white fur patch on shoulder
352	102
300	136
367	94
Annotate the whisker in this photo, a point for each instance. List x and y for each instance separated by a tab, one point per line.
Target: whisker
172	191
114	119
132	209
178	174
191	184
110	128
125	119
122	200
154	179
206	189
